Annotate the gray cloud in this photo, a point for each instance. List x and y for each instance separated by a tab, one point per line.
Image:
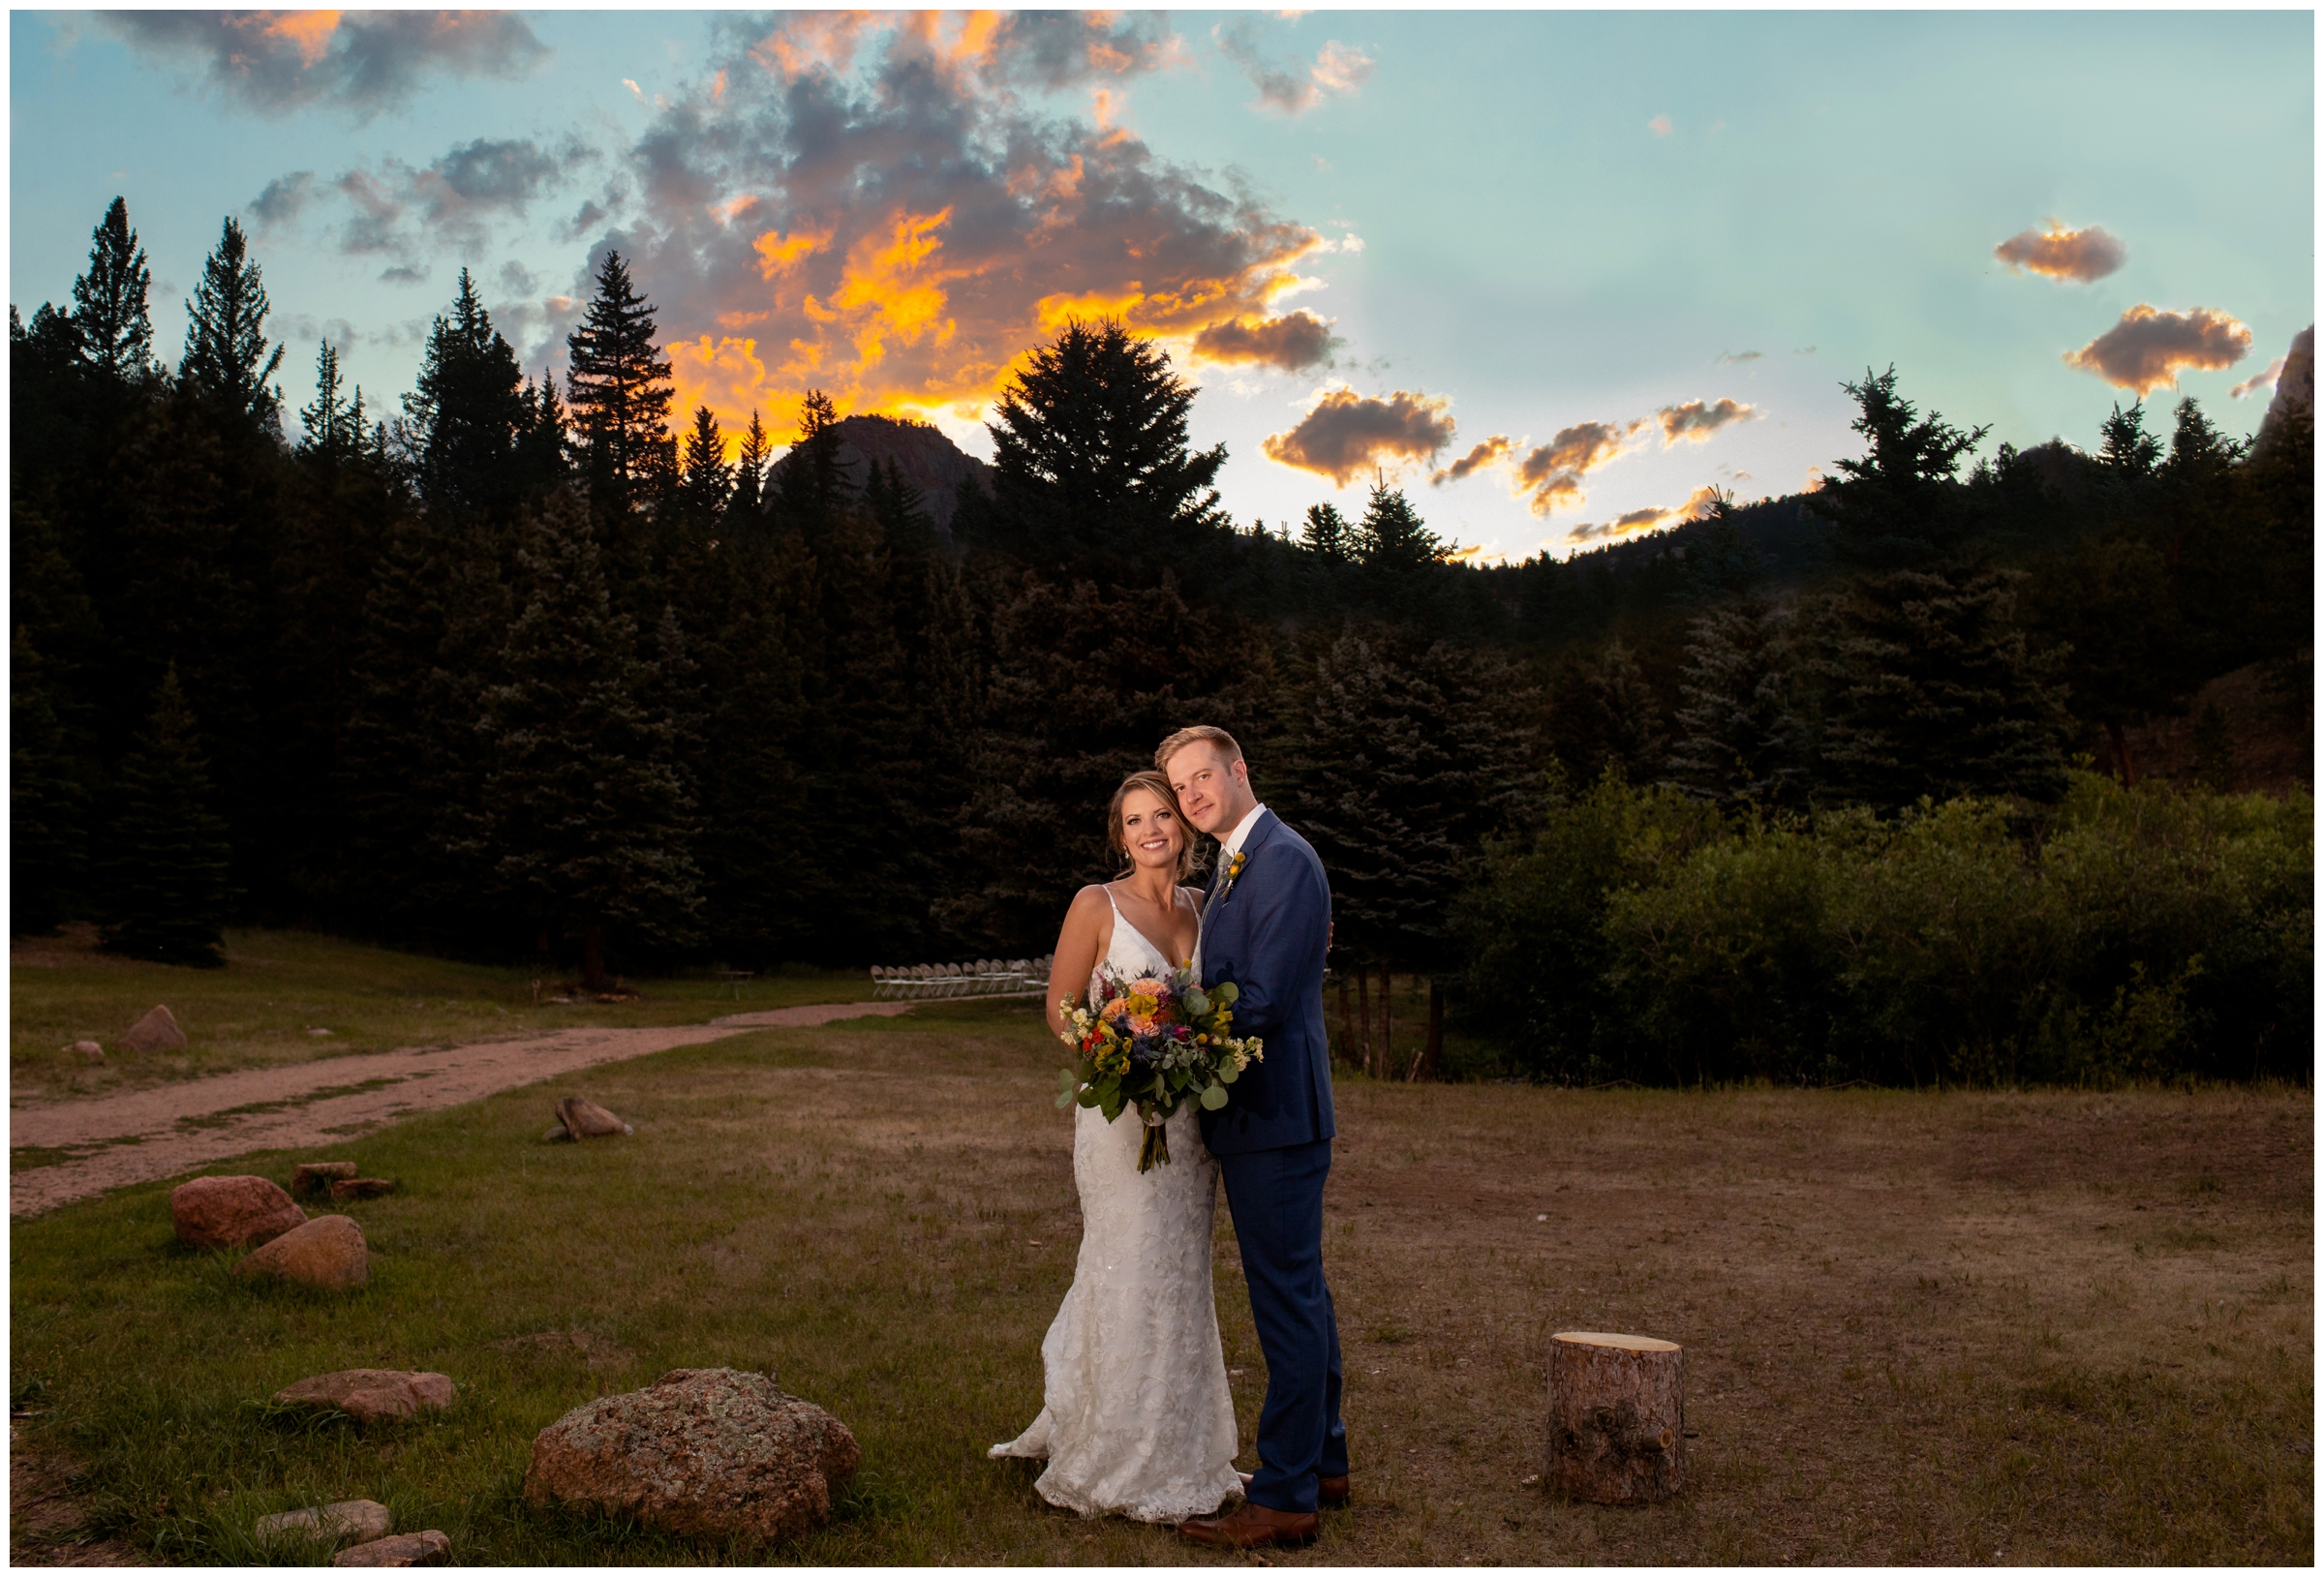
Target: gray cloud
518	280
1696	421
285	198
1338	69
1733	357
1345	433
2258	380
361	61
2058	253
449	204
2146	349
1549	477
403	274
1293	343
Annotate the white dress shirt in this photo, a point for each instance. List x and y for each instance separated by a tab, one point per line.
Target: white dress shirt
1232	843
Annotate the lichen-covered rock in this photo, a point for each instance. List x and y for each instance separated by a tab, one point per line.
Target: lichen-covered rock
327	1252
428	1548
156	1031
366	1394
362	1188
232	1212
713	1454
586	1119
341	1522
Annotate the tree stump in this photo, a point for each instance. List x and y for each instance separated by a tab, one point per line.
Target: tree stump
1617	1421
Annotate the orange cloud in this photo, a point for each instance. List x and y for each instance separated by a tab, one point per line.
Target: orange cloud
1695	423
1293	343
914	228
1550	478
2147	348
1493	452
1697	506
2058	253
1345	433
309	31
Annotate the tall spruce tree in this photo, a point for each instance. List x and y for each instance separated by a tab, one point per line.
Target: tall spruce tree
168	888
467	410
1326	533
1896	505
47	800
539	461
618	384
588	819
1740	740
751	473
111	312
705	480
227	357
1092	457
1603	714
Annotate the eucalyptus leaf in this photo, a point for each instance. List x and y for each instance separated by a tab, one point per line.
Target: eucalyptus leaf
1214	1097
1227	1073
1226	990
1195	1003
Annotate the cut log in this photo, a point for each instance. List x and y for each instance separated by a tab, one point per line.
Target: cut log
1617	1417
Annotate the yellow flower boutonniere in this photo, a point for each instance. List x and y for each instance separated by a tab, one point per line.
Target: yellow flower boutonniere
1235	864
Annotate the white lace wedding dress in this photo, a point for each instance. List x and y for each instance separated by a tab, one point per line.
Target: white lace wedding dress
1137	1419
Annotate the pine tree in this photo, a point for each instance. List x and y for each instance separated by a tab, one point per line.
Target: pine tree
705	480
1603	715
538	465
468	409
1325	533
2126	654
226	356
1897	506
1091	455
1740	740
47	802
2126	446
1933	690
751	473
588	818
899	511
811	483
111	309
333	424
618	384
166	877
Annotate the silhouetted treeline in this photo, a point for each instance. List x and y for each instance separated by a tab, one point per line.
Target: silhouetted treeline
531	666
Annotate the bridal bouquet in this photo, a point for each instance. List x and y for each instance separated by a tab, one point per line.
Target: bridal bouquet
1152	1042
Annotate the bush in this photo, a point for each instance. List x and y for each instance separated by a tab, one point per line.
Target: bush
2120	935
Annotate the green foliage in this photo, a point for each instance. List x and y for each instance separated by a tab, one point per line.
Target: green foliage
1091	456
111	312
618	386
227	353
166	875
2128	935
468	410
1741	740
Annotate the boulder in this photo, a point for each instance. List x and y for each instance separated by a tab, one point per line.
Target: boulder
424	1549
87	1051
341	1522
316	1176
156	1031
327	1252
367	1395
232	1212
586	1119
361	1188
713	1454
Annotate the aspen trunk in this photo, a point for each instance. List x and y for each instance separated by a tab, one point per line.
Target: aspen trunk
1432	1049
1347	1028
1363	1009
2121	752
1388	1022
1617	1417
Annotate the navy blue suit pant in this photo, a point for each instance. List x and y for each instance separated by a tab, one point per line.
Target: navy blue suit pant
1278	1198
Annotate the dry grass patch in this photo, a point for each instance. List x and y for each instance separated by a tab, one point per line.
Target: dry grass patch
286	997
1919	1328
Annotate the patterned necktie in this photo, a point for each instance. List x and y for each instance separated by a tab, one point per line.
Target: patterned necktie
1218	877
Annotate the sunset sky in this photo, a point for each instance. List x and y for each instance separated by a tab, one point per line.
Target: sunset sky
1557	272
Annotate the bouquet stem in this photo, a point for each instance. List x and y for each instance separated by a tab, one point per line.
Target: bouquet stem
1154	1151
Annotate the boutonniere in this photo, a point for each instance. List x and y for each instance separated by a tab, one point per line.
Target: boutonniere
1235	864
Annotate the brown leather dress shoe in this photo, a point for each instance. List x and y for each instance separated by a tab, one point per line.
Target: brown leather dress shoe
1249	1525
1331	1491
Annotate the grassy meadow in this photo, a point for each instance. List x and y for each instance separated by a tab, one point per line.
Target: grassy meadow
1957	1328
279	987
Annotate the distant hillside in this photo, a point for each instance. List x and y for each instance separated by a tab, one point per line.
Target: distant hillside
930	462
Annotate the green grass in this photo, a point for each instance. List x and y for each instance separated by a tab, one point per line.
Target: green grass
279	986
1918	1328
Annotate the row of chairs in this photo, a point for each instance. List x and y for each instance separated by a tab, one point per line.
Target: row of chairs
982	976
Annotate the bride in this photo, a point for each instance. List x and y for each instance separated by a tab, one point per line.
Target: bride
1137	1418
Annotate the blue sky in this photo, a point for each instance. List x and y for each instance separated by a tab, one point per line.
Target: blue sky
1377	240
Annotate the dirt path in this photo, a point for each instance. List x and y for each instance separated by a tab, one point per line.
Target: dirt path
143	1135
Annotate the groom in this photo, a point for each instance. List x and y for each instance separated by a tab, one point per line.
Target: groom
1266	925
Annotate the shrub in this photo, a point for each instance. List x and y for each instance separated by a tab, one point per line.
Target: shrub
2122	934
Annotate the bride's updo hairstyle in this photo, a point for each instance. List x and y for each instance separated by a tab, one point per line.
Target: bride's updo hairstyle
1157	785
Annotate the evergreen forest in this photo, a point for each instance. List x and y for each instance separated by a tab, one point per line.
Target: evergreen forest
1833	786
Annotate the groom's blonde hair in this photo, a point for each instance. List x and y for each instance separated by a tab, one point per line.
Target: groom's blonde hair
1217	737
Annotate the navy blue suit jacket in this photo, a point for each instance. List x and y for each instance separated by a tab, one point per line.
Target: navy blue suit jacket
1268	935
